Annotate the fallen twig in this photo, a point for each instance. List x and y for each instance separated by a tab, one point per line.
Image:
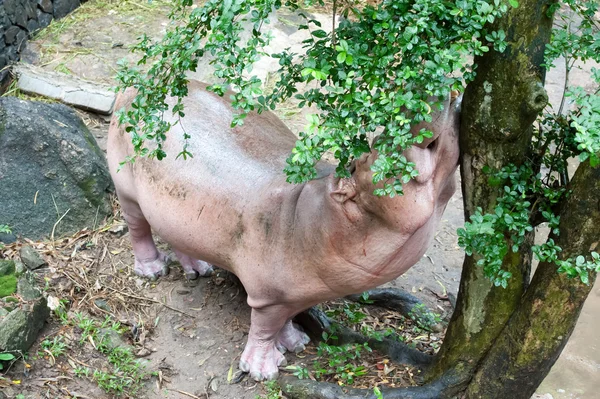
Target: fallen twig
187	393
142	298
56	224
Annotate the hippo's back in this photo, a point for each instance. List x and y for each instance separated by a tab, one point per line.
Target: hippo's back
257	148
251	154
204	205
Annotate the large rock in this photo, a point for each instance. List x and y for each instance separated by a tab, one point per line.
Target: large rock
43	18
49	164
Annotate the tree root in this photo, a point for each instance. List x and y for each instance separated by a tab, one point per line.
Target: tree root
397	300
294	388
315	322
390	298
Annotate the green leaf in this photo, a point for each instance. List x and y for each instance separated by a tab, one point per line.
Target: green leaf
320	33
6	356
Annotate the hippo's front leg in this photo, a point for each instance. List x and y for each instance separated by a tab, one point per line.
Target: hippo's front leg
261	358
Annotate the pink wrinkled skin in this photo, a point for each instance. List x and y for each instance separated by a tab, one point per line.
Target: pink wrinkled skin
292	246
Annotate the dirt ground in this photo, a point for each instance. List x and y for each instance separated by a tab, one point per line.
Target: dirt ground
192	333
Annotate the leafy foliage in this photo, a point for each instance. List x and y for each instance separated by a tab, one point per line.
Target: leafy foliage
341	362
273	391
586	122
383	68
492	235
125	374
527	196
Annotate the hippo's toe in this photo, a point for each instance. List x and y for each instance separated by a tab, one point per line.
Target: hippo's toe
244	366
204	269
193	275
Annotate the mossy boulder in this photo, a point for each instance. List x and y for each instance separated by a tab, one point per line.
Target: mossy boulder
7	267
49	164
21	320
20	328
27	289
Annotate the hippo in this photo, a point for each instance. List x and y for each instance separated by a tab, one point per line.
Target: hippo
292	246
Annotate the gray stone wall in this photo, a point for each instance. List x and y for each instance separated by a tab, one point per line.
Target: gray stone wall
20	19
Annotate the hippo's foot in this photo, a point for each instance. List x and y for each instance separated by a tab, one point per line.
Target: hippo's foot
198	268
261	359
193	267
291	338
152	269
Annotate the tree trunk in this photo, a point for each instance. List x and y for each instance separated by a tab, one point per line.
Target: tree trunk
538	331
499	108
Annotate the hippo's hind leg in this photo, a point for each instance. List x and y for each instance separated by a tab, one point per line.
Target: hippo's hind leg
149	261
261	358
291	338
193	267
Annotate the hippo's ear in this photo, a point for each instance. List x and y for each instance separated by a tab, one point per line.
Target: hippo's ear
344	190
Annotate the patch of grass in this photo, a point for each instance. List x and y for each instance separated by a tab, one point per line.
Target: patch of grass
82	372
136	15
56	347
62	68
273	391
96	9
125	374
8	285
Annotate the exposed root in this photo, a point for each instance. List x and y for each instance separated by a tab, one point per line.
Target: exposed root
315	322
308	389
390	298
